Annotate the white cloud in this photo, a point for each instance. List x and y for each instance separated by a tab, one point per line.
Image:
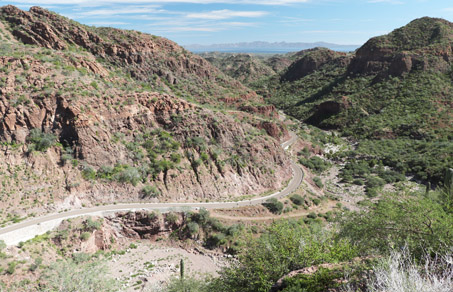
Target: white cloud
224	14
109	2
386	1
185	27
107	23
119	11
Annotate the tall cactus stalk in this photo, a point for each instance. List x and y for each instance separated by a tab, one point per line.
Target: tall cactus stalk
181	269
448	188
428	188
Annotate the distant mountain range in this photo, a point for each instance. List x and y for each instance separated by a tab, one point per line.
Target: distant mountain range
267	47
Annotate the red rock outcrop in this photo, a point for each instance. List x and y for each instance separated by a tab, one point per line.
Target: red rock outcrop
312	60
144	56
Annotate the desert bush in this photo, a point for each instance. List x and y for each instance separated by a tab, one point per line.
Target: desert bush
67	275
192	228
171	218
285	246
85	235
416	222
39	141
315	163
399	272
215	240
91	224
318	182
274	205
128	175
297	199
150	191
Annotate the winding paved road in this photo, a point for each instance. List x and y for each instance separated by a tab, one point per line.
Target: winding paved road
28	229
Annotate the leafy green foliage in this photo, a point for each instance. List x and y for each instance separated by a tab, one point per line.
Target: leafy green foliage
188	284
284	247
150	191
297	199
393	222
91	224
39	141
320	281
401	121
315	163
318	182
67	275
274	205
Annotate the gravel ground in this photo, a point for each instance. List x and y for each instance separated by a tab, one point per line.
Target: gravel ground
149	266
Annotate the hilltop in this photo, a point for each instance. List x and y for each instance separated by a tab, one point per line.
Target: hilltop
100	115
394	95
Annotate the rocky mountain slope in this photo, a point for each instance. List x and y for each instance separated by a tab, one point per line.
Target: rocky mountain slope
148	58
395	92
89	116
246	68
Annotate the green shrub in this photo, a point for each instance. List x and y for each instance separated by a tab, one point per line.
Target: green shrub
67	275
128	175
85	235
315	163
11	267
316	201
320	281
318	182
297	199
150	191
312	215
40	141
420	224
285	246
274	205
215	240
90	224
33	267
192	228
171	218
88	173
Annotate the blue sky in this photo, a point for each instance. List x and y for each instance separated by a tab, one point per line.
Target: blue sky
230	21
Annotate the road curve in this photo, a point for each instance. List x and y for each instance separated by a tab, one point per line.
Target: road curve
28	229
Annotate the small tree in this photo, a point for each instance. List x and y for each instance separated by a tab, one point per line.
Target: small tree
40	141
274	206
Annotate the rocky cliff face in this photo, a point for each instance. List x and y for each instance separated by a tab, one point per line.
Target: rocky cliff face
424	44
76	131
245	68
310	61
147	58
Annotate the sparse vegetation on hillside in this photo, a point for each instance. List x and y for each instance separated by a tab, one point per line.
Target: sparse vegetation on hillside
396	118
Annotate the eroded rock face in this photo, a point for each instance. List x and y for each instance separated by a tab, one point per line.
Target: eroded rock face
428	48
327	109
144	56
101	118
312	60
265	110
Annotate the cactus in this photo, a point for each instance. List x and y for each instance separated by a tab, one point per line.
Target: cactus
428	188
448	181
181	269
448	188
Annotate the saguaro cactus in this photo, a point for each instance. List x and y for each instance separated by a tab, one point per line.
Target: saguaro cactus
448	188
181	269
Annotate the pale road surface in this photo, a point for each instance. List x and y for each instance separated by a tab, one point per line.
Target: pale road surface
28	229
